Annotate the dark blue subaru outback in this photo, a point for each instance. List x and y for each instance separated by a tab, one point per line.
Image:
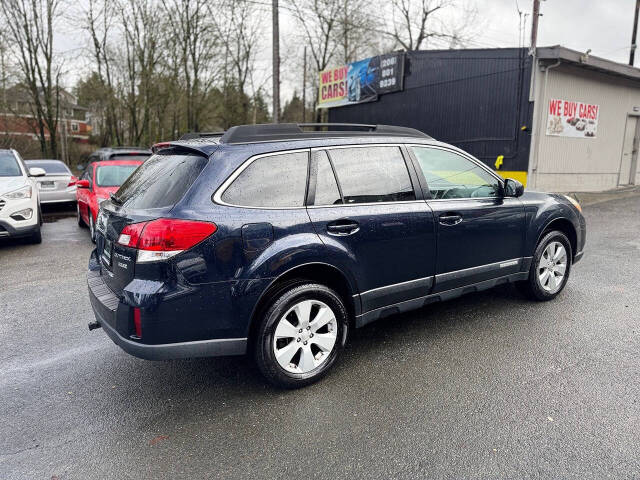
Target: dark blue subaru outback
275	241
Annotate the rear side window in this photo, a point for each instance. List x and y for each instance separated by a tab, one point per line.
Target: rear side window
273	181
372	174
161	181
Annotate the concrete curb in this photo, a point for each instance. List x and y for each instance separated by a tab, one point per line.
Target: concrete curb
592	198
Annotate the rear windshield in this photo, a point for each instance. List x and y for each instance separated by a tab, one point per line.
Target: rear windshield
161	181
113	175
50	167
9	165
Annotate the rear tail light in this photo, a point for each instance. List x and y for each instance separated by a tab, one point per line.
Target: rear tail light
137	322
72	181
163	238
160	146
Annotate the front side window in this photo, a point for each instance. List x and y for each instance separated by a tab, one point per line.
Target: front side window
450	175
372	174
274	181
113	175
9	165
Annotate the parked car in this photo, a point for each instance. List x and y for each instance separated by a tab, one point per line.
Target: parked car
58	185
20	214
96	183
120	153
276	241
360	80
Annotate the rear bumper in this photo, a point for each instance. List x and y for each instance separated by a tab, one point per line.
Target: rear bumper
57	196
110	312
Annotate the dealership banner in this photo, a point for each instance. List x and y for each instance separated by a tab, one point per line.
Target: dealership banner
572	119
361	81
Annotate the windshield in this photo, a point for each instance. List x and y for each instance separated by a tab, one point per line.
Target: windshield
161	181
9	165
113	175
51	167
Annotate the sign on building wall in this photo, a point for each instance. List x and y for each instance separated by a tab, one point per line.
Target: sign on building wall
572	119
361	81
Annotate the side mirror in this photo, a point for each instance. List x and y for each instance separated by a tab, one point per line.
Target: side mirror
36	172
82	184
513	188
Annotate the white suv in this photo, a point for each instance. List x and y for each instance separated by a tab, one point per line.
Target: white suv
19	198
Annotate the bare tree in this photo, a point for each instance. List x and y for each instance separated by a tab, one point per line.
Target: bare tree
319	22
238	23
142	50
195	36
99	22
415	22
356	23
30	25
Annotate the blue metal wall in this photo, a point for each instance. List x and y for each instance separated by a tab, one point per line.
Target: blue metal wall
474	99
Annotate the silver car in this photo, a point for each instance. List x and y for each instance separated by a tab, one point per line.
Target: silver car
58	185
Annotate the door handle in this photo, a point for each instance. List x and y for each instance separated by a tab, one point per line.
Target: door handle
450	219
343	227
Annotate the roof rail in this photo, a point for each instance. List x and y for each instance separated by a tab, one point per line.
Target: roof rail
294	131
193	135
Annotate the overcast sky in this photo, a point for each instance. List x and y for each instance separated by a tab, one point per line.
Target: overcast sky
604	26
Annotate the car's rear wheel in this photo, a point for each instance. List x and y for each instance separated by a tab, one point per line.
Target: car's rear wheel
301	335
79	216
550	267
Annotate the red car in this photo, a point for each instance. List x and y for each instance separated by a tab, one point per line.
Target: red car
96	183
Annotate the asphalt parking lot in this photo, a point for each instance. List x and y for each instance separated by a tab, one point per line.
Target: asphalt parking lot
486	386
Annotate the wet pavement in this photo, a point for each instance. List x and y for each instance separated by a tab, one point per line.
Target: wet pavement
486	386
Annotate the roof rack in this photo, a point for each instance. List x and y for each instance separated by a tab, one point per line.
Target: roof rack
295	131
194	135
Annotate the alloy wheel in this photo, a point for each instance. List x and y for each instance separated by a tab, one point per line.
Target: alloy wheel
305	336
552	267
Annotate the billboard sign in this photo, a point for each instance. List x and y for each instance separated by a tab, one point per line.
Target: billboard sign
361	81
572	119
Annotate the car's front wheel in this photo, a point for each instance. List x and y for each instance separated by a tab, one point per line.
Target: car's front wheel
301	335
550	267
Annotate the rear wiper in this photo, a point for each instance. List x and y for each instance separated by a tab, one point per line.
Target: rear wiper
115	199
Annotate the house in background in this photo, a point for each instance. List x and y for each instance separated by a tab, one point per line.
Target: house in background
17	117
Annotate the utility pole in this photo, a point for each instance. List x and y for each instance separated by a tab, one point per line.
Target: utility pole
276	62
633	35
534	25
304	86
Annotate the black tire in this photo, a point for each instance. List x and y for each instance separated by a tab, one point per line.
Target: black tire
36	237
263	342
79	217
532	287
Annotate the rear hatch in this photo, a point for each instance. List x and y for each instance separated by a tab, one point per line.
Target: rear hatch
148	194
